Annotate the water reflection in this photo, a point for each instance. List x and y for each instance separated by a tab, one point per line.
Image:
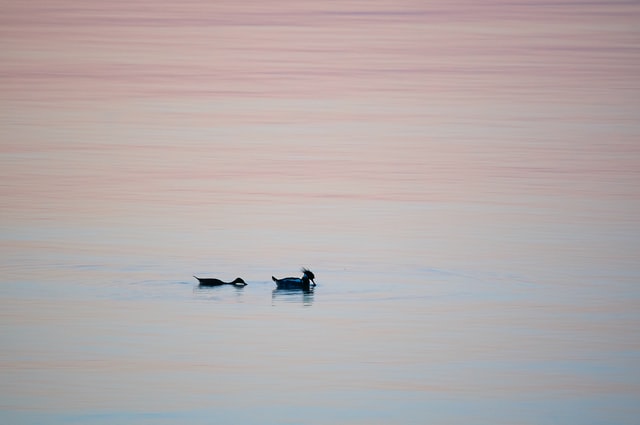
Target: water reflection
219	292
292	296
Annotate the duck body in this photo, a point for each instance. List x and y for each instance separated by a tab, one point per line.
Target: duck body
217	282
306	282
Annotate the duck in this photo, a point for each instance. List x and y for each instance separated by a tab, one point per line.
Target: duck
296	282
217	282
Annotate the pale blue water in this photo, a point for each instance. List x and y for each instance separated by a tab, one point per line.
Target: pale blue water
94	336
464	183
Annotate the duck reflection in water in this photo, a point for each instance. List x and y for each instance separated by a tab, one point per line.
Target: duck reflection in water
292	296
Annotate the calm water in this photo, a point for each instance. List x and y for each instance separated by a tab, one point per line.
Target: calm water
463	179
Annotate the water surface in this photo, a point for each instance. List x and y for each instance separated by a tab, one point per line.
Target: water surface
463	179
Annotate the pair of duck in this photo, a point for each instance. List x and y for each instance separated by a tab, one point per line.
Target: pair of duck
305	282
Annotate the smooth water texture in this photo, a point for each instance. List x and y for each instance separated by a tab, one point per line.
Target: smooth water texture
462	177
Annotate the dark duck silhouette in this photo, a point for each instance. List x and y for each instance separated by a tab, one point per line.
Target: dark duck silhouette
217	282
306	282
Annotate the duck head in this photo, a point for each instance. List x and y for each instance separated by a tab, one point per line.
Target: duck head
308	276
239	282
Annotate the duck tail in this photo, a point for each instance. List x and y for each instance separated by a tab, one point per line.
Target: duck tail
273	278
